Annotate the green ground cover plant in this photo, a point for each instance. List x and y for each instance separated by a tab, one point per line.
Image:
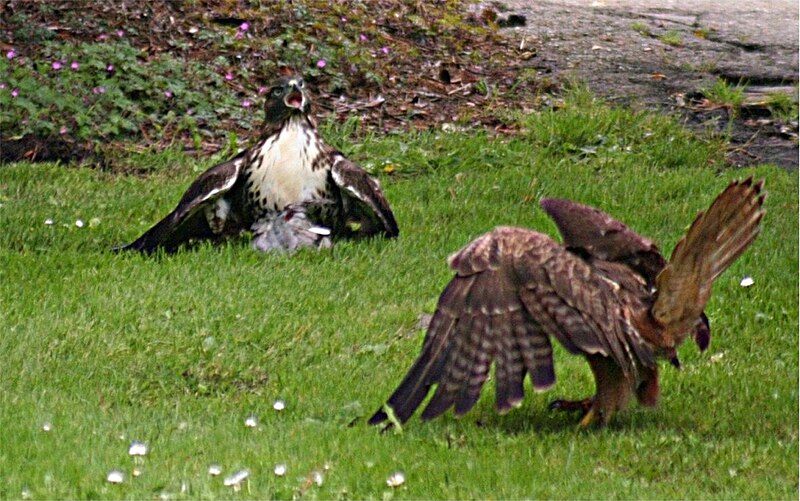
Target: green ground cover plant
101	349
725	94
97	81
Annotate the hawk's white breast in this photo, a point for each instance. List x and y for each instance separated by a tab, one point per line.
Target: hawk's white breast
284	174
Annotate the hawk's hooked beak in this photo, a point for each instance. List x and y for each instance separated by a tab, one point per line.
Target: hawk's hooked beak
295	97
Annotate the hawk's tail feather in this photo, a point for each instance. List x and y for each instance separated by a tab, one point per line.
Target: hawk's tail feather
716	238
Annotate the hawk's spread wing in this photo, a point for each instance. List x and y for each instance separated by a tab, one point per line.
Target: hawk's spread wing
513	289
589	230
363	199
186	221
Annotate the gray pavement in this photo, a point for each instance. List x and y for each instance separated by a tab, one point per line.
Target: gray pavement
618	48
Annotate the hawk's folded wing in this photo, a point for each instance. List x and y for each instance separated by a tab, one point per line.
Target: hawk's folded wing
591	232
599	235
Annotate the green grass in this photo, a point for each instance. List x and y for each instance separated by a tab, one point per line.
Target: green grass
641	28
726	94
178	351
783	106
673	38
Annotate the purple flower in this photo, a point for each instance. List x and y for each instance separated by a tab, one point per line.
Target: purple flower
343	19
63	130
102	36
190	111
167	94
15	93
99	90
262	90
239	35
385	50
2	86
57	65
362	38
246	103
11	54
321	63
110	68
74	65
229	76
120	33
244	26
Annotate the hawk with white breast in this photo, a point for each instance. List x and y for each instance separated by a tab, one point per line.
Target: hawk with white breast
290	189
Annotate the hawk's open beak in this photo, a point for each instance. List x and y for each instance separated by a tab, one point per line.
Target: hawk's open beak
295	98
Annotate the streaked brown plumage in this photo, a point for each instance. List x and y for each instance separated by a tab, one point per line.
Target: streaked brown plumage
606	294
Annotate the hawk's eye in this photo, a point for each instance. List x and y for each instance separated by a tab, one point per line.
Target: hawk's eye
276	92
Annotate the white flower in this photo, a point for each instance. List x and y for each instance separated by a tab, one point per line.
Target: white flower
747	281
47	426
279	405
214	470
236	479
251	421
79	223
137	448
116	476
280	470
48	222
396	479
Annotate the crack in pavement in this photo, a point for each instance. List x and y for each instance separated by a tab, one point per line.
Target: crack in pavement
655	53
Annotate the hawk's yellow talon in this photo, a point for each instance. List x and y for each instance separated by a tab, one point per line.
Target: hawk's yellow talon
588	419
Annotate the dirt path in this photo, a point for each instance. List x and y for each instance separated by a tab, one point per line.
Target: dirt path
661	53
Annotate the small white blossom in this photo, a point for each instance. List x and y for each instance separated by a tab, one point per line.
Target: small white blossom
137	448
214	470
136	472
79	223
48	222
279	470
236	479
396	479
116	477
317	477
747	281
251	421
47	426
279	405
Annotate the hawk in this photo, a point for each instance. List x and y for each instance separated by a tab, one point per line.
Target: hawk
290	189
607	294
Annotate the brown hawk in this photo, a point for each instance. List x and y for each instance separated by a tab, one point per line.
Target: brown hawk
290	189
606	294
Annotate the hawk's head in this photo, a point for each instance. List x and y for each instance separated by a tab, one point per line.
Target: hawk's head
287	97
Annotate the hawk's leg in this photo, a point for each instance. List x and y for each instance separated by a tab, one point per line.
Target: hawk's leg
613	393
571	405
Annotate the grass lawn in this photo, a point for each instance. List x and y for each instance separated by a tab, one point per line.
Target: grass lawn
178	351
